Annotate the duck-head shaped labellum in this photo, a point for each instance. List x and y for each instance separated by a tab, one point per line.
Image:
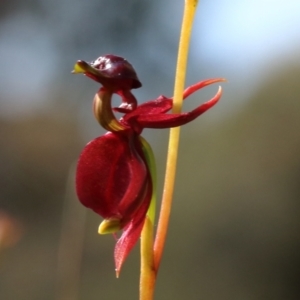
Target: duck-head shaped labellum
113	177
115	74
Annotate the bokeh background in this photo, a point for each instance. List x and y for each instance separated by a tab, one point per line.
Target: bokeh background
234	231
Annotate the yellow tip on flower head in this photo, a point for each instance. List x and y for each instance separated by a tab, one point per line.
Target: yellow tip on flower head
109	226
83	67
78	69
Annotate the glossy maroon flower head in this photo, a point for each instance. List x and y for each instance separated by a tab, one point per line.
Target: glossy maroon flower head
113	174
111	71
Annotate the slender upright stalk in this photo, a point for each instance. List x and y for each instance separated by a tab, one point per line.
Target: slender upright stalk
188	18
151	253
148	274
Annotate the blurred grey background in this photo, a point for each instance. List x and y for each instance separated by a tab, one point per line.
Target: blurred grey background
234	231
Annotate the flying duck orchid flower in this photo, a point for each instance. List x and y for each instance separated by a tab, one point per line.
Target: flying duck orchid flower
114	176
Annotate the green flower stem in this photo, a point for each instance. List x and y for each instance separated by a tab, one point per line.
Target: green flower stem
186	28
149	155
148	274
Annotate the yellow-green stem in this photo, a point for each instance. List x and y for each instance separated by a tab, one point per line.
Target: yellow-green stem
148	275
186	28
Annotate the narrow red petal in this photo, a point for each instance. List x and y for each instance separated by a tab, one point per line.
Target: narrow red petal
131	232
154	109
174	120
199	85
163	104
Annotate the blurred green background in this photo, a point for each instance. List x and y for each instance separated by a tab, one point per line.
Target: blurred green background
234	231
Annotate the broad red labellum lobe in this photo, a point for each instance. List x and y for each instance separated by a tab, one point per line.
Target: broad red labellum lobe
112	178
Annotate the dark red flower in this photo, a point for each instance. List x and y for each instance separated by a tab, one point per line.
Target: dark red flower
113	174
